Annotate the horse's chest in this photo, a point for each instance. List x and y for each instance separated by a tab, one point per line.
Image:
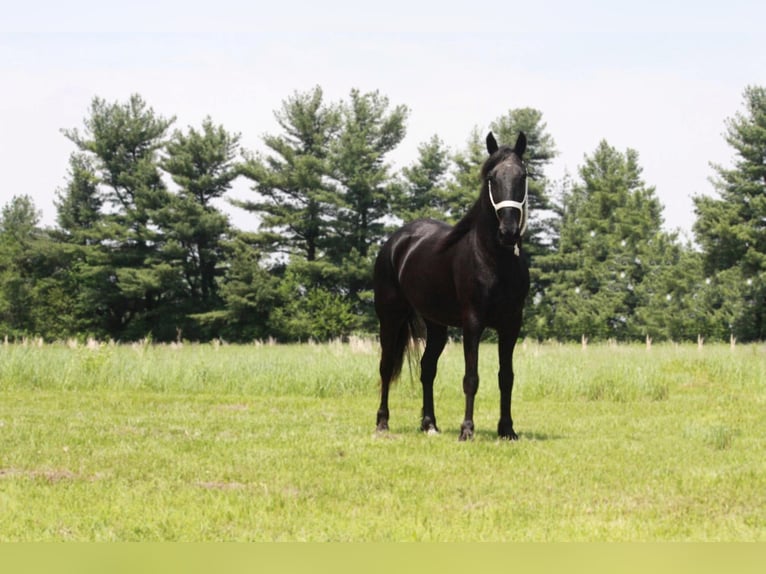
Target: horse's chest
505	294
510	288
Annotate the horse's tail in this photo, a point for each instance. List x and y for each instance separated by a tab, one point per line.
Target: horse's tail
400	326
407	344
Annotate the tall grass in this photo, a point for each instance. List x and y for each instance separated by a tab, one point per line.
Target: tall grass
317	370
268	442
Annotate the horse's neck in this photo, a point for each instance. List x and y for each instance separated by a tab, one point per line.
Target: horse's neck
484	229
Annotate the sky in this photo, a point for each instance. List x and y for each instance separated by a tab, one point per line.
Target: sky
660	77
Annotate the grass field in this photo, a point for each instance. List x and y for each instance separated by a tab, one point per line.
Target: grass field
272	443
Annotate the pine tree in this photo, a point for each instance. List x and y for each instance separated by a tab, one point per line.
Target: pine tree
366	192
611	219
130	280
203	165
18	230
37	285
295	198
369	131
466	177
80	232
671	299
79	203
424	184
731	228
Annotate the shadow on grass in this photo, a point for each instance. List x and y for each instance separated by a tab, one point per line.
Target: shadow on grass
491	435
483	435
524	436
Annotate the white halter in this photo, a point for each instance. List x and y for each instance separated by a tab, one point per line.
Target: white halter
522	205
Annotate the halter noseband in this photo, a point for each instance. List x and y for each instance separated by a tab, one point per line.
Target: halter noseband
520	205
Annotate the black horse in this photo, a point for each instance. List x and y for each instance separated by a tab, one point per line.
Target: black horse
472	276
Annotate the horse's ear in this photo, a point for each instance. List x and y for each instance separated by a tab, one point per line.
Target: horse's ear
492	146
521	144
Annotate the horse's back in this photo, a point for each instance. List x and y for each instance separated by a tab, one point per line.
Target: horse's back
411	240
413	267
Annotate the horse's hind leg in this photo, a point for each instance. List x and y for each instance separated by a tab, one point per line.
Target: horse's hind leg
436	338
394	336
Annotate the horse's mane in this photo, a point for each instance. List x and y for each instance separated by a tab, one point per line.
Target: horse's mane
468	221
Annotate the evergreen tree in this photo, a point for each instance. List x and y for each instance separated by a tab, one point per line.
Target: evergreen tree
369	131
79	204
202	164
671	303
80	233
132	283
731	228
366	193
610	221
295	196
250	294
466	178
18	228
424	183
36	283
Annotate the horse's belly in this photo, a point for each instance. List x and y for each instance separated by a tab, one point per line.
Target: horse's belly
443	312
429	289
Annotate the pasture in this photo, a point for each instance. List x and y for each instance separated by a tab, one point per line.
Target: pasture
277	443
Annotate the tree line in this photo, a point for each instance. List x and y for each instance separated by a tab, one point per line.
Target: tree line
141	247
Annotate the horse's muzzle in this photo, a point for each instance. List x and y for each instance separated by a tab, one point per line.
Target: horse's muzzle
508	236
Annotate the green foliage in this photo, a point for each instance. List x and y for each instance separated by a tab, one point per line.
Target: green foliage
79	203
324	191
202	164
119	149
316	314
671	300
295	198
610	243
424	190
466	179
145	258
249	294
36	284
369	131
732	228
140	248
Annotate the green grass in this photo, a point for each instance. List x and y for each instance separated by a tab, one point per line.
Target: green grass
266	443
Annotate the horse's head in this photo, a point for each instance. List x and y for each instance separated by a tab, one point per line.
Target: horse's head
506	180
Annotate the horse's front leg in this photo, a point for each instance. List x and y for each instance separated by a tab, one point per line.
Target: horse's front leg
471	336
436	339
506	343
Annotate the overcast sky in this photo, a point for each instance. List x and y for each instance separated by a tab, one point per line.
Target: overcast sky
658	77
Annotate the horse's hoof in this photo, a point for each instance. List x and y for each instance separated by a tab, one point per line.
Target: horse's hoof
505	431
428	426
381	421
466	431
